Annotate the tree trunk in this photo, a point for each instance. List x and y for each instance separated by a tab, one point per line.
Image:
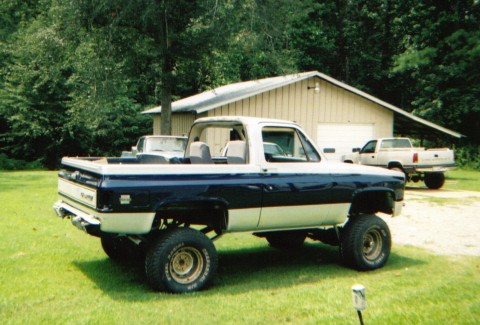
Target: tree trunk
166	71
166	101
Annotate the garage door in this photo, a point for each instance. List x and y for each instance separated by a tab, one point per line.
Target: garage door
342	137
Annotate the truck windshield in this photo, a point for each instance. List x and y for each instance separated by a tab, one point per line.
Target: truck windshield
369	147
167	144
396	143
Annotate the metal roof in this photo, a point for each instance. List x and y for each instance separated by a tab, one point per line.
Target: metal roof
405	122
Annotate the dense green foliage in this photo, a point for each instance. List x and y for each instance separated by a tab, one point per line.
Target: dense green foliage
75	75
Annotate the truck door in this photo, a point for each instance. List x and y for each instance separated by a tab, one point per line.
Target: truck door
297	189
368	156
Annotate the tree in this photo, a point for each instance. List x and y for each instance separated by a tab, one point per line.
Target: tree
34	94
440	57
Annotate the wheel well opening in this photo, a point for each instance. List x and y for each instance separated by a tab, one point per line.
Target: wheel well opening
371	202
395	165
208	214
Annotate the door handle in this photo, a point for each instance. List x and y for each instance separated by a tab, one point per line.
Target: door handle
269	169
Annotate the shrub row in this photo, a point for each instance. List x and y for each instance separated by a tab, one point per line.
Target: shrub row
7	163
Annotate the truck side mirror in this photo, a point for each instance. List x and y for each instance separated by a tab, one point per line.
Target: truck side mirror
355	149
134	150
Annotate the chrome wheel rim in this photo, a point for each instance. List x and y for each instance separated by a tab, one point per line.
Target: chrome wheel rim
186	265
372	244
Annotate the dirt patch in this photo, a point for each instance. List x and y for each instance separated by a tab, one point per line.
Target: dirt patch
444	221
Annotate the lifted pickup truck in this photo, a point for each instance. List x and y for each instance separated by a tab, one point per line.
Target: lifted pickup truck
399	154
172	211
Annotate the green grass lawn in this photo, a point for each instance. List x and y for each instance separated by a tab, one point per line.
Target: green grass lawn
51	273
458	179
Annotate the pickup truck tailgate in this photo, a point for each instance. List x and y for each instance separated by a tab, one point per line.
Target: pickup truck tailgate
436	157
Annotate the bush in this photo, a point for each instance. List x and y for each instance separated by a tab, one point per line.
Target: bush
14	164
468	157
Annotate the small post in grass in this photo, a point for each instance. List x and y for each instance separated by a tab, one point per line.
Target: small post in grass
359	300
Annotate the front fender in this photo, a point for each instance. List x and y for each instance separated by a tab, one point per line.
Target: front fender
372	200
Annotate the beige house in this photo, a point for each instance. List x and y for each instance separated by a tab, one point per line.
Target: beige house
334	114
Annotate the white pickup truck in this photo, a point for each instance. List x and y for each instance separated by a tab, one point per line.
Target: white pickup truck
154	147
399	154
164	210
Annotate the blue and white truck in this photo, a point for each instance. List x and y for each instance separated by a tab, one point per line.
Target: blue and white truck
171	211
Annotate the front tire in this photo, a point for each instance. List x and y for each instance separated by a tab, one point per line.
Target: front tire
181	260
365	243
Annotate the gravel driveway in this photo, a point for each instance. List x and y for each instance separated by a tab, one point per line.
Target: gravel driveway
444	221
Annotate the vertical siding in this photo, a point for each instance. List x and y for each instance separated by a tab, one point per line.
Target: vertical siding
181	123
156	124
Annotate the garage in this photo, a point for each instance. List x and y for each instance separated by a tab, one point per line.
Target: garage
335	115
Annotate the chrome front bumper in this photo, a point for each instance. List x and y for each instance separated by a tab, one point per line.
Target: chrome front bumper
397	210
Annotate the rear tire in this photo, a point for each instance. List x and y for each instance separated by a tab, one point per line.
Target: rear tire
181	260
434	181
365	243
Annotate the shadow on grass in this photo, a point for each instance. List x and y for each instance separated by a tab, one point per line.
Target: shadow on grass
240	271
266	268
119	280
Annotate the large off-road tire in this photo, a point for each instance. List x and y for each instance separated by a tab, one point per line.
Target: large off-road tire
365	243
286	239
434	181
181	260
121	249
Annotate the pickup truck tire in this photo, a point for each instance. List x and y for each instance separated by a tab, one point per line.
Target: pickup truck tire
286	239
121	249
365	243
434	181
181	260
